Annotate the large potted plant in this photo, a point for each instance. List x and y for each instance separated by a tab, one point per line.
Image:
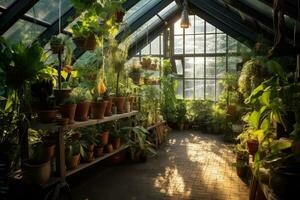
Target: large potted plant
98	106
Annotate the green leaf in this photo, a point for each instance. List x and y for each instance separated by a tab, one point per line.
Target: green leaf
265	98
254	119
281	144
260	135
265	124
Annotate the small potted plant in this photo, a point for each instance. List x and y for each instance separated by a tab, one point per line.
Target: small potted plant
89	140
83	100
57	44
147	79
135	73
107	97
115	135
146	62
68	109
73	149
98	105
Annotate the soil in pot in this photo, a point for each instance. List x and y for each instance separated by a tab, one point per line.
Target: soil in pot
109	148
98	109
82	111
73	161
108	107
68	111
120	103
37	173
252	146
47	116
104	137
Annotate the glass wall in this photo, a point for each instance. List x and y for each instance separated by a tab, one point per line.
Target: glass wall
202	55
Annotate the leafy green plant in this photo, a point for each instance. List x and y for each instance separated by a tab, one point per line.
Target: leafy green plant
81	95
89	135
181	111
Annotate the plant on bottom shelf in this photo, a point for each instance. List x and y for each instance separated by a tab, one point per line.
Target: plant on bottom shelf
89	141
139	145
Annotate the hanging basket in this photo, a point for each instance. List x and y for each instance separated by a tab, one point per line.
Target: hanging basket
135	76
87	44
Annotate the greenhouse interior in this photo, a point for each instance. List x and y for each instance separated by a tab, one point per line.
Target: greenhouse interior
163	99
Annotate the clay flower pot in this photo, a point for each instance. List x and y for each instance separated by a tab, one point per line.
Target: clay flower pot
104	138
82	111
109	148
89	156
37	173
98	109
73	161
61	95
116	143
90	147
120	103
47	116
68	111
98	151
108	107
252	146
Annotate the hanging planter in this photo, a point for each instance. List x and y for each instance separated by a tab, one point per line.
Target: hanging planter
88	43
119	16
135	76
56	45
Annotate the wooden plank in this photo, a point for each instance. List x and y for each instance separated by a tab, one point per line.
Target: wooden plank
155	125
85	165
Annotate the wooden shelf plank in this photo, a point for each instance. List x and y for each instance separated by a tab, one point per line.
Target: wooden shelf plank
85	165
155	125
77	124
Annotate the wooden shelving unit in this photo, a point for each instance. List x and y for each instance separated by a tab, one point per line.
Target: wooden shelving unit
85	165
60	146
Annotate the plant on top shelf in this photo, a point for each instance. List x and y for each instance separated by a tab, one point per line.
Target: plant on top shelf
57	44
83	99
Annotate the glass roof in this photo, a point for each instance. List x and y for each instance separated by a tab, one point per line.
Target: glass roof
49	10
6	3
164	13
23	31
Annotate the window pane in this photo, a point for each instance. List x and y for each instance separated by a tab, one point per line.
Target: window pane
179	66
210	89
178	44
219	89
190	30
189	67
199	43
199	25
210	67
210	28
221	66
232	61
23	30
210	43
155	46
189	44
189	89
177	29
221	43
6	3
219	31
146	50
49	10
179	90
232	45
199	67
199	89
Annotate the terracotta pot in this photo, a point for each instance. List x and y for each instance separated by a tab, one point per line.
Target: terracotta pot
61	95
47	116
88	43
90	147
98	151
73	161
37	174
82	111
98	109
242	162
252	146
68	111
119	16
109	148
108	107
116	143
104	138
49	151
89	156
120	103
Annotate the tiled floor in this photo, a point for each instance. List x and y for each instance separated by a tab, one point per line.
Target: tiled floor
190	166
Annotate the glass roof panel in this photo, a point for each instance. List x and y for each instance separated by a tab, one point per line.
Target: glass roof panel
49	10
23	30
6	3
139	9
164	13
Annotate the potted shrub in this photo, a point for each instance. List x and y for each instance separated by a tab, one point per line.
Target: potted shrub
68	109
57	44
138	143
105	130
83	101
135	73
98	105
89	140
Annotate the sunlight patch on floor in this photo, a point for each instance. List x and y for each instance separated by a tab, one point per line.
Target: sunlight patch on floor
171	183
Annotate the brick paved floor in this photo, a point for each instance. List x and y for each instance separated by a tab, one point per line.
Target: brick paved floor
191	165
